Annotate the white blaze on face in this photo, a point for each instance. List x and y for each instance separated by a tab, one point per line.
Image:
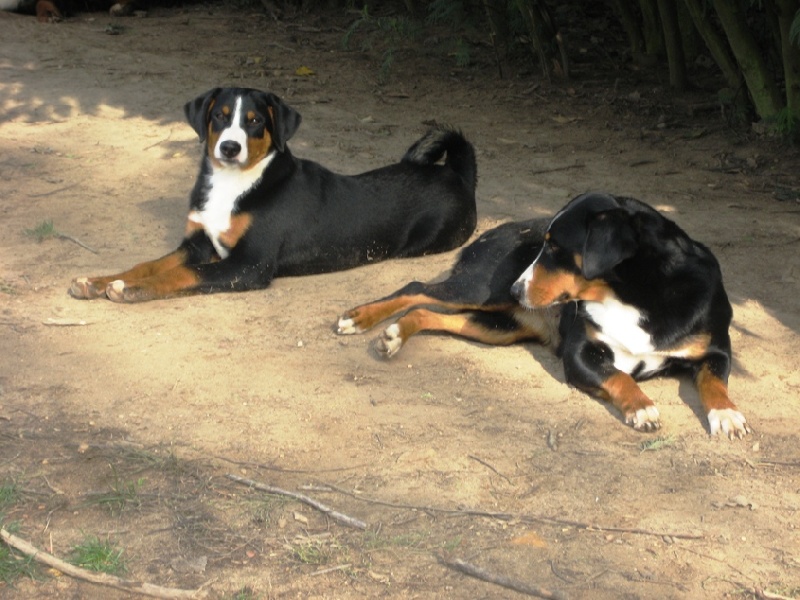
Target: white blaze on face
527	275
233	133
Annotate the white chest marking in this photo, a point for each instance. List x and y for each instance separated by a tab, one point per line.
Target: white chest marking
224	187
621	331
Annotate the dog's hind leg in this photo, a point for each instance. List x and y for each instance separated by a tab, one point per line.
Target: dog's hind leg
365	317
498	327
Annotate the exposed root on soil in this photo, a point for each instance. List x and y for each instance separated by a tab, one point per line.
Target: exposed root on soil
137	587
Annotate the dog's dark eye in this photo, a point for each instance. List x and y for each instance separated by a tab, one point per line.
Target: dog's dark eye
221	116
255	121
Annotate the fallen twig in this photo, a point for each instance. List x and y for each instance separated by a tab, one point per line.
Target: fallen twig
501	580
51	192
69	238
555	169
778	463
490	467
504	516
333	514
331	569
146	589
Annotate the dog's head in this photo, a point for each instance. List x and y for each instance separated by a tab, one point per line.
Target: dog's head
241	126
583	244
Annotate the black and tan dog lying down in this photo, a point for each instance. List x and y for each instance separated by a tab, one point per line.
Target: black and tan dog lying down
619	291
257	212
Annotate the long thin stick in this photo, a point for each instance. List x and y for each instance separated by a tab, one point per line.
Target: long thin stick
504	516
333	514
501	580
147	589
75	240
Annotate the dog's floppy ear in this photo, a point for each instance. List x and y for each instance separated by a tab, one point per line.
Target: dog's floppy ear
196	112
285	120
610	239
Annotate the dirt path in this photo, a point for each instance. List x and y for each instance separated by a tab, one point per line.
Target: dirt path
124	427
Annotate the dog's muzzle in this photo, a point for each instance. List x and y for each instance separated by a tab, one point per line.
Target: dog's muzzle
230	149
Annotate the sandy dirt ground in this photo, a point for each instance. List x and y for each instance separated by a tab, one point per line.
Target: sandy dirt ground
123	422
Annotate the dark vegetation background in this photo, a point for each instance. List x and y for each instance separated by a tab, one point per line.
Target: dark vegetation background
745	54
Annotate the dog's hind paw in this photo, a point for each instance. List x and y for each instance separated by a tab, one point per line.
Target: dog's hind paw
119	291
82	288
728	420
644	419
390	341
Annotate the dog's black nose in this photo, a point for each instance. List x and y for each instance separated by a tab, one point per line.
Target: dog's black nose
518	290
230	149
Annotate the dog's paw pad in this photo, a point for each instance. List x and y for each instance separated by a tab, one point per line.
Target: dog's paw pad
347	326
645	419
390	341
729	421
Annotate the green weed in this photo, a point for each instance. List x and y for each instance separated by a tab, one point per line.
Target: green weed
311	553
43	231
122	495
14	565
96	555
656	444
9	494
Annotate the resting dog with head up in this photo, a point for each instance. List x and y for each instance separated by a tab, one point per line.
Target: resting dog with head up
257	212
621	292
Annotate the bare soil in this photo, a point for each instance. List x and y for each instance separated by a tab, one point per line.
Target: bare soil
123	421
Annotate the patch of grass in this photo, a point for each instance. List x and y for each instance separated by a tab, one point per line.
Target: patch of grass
657	444
6	287
9	494
43	231
244	593
786	125
266	508
311	552
13	564
97	555
123	494
145	460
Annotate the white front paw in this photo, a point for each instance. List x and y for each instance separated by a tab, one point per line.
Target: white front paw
728	420
347	326
645	419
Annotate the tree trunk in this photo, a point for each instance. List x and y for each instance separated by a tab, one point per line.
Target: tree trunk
760	83
673	44
631	25
787	11
715	43
651	27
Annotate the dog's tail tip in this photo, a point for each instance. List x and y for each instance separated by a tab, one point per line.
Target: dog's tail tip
442	140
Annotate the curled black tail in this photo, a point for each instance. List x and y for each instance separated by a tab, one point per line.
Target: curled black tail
439	141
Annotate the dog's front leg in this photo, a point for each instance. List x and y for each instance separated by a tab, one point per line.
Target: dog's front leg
589	366
89	288
711	381
195	249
